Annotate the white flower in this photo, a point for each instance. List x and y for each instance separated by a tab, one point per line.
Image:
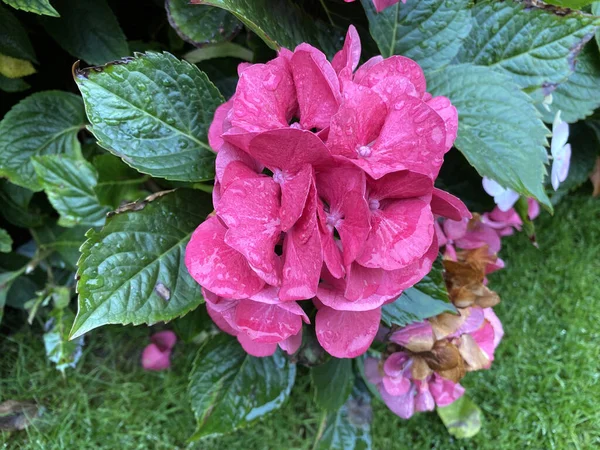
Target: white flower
503	197
560	150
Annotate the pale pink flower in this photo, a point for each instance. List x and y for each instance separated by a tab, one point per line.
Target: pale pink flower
560	150
505	198
380	5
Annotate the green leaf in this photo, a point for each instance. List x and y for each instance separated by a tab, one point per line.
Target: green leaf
572	4
579	96
462	418
16	287
13	37
117	182
349	427
59	349
5	241
153	111
229	389
14	206
194	325
428	31
64	241
42	7
596	12
221	50
199	24
499	130
534	46
45	123
333	383
133	270
428	298
69	183
88	30
11	85
281	23
14	67
10	270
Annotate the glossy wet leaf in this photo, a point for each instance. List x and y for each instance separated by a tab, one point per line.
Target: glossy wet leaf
13	37
426	299
579	96
42	7
281	23
349	428
461	418
194	325
221	50
428	31
11	85
332	383
201	24
572	4
69	183
532	45
117	182
59	349
153	111
133	270
230	389
499	129
5	241
88	30
44	123
65	242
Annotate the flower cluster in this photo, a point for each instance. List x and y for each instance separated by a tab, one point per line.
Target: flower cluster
431	357
324	192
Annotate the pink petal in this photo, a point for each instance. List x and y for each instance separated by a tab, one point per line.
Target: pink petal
332	255
317	87
445	391
396	364
254	348
448	113
492	318
474	320
155	359
302	255
265	98
294	190
417	337
266	323
292	344
399	185
357	123
401	232
362	282
392	89
349	55
228	154
397	385
447	205
380	5
391	67
216	127
343	189
346	334
250	208
402	405
423	400
533	208
289	149
218	267
362	71
441	237
412	138
164	340
224	318
455	229
479	236
395	281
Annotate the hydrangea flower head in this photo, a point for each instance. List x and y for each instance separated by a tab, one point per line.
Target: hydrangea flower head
324	193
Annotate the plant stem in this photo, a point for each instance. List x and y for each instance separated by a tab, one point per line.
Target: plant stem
320	430
327	12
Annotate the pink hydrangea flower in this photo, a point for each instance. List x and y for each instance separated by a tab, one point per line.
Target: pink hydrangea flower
380	5
157	355
323	192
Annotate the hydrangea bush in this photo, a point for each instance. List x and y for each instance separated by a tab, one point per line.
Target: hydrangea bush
309	188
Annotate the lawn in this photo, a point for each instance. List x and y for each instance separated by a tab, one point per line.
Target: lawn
542	392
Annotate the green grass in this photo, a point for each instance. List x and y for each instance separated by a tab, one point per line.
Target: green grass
543	391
